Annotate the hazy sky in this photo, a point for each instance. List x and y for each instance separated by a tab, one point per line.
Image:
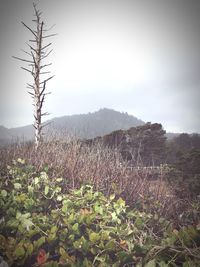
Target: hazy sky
136	56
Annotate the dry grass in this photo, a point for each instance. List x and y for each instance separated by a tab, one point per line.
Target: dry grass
79	164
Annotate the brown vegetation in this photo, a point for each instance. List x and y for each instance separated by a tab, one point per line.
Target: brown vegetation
104	168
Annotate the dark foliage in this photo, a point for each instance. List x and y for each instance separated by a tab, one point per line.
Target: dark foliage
142	145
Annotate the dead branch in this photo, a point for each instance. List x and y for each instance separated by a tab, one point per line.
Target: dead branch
45	124
43	57
32	94
46	80
50	35
26	52
46	65
45	114
45	72
49	29
22	59
27	70
46	46
32	48
29	29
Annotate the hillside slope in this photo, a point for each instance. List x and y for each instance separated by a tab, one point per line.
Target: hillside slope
89	125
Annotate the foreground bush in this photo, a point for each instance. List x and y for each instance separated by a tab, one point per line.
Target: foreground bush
101	167
44	225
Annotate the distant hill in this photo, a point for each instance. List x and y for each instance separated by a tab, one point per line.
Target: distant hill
89	125
171	136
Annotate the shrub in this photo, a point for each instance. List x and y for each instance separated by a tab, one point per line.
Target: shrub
100	166
43	224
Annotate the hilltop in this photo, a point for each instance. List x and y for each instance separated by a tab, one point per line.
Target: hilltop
89	125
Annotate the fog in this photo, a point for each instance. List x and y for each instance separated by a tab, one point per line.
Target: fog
140	57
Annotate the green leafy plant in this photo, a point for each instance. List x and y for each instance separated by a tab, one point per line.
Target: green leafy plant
44	224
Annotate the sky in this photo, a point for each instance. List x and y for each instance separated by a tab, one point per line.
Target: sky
135	56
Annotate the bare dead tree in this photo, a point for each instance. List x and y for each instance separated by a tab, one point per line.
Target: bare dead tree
38	52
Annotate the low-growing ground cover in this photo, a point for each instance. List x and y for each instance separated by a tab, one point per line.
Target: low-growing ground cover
45	223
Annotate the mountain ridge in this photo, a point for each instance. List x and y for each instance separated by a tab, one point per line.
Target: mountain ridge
88	125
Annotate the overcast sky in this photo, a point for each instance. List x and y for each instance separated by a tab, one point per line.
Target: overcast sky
136	56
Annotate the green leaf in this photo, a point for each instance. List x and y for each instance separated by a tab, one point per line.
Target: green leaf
84	244
65	256
19	251
170	240
21	198
93	250
51	237
46	190
4	193
30	189
27	223
62	252
114	216
22	161
71	238
151	263
112	197
75	227
87	263
138	222
59	180
71	218
124	257
13	223
98	209
50	264
59	198
100	258
64	209
44	176
18	215
30	249
163	264
77	244
36	180
26	215
58	189
67	203
105	235
54	229
46	168
17	186
110	245
121	202
38	243
94	237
